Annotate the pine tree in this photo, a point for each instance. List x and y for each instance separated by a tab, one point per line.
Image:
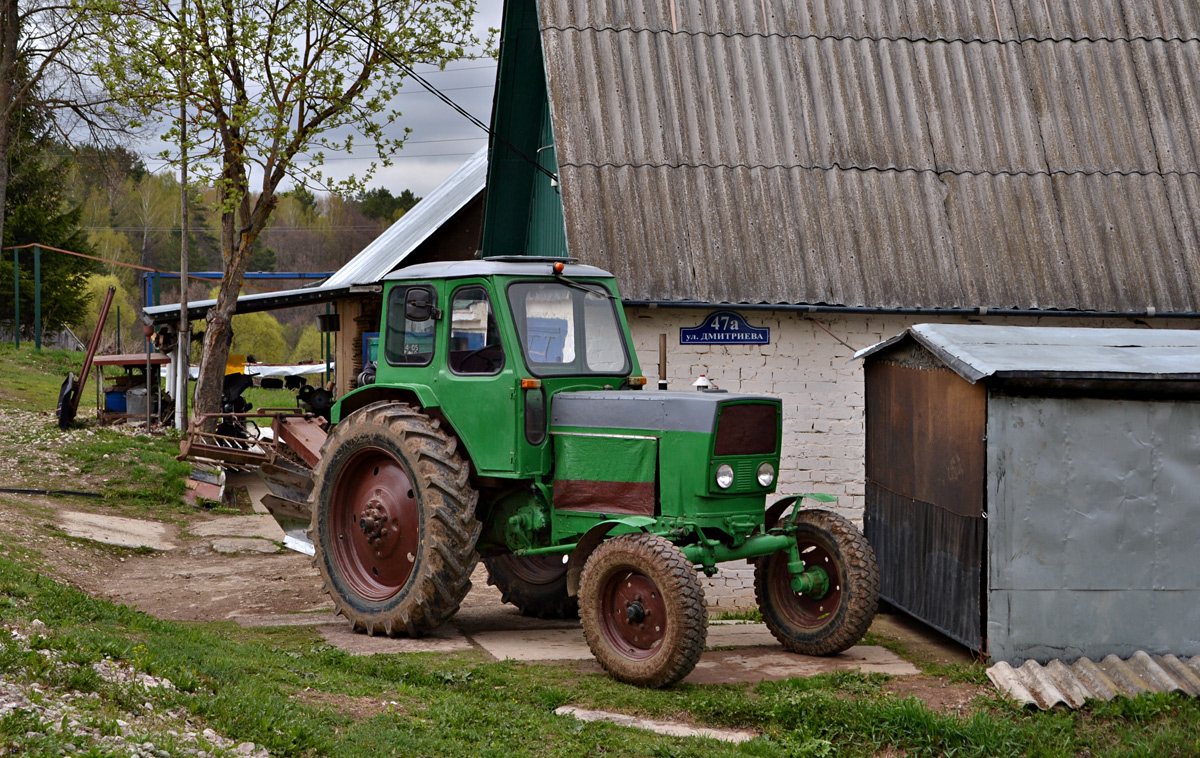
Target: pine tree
37	212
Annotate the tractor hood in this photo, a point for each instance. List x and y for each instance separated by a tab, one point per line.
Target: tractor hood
651	411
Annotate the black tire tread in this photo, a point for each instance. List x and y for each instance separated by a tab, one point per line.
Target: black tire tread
860	588
678	585
443	575
549	601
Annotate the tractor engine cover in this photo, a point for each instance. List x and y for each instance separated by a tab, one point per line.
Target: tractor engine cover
614	452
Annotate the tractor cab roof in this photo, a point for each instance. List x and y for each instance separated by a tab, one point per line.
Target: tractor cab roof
504	266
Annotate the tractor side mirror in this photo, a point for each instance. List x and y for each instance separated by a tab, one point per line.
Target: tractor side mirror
418	305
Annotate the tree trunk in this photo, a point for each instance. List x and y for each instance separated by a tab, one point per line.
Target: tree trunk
219	333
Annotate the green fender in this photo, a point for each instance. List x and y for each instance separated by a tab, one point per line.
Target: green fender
592	539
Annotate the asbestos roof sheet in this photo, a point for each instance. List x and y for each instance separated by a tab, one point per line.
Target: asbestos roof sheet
377	259
1057	683
899	155
977	351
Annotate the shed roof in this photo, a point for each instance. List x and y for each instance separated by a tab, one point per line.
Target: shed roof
956	154
976	351
384	254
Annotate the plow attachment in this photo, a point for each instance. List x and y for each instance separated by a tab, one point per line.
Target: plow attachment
282	456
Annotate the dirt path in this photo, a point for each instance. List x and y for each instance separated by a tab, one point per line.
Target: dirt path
232	568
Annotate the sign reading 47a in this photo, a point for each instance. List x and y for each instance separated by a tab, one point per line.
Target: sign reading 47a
724	328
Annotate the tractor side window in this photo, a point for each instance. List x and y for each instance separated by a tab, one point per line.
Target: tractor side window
474	336
407	342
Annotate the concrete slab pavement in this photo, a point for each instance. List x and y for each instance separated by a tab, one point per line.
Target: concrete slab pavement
257	525
117	530
244	545
669	728
445	639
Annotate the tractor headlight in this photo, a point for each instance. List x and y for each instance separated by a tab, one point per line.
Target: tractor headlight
766	475
724	476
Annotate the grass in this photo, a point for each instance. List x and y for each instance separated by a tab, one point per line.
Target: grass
140	473
287	690
30	379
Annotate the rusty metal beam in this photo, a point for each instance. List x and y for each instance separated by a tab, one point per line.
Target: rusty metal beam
304	436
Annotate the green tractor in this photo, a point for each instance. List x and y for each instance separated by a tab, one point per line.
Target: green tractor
506	421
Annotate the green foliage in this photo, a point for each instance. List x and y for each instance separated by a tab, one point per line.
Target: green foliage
379	204
308	346
287	57
262	258
37	211
259	335
304	197
95	289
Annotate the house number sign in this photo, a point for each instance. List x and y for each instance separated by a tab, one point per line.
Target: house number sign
724	328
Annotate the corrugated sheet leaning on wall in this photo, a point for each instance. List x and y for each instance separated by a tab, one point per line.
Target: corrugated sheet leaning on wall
944	155
1055	683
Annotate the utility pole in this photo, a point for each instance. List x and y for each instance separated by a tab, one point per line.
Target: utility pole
185	343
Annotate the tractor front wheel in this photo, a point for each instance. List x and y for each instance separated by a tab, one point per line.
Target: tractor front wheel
393	521
536	584
839	618
643	610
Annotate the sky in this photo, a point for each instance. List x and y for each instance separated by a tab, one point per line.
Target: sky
441	139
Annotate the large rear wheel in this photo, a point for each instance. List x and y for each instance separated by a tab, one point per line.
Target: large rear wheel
837	619
536	584
643	610
393	520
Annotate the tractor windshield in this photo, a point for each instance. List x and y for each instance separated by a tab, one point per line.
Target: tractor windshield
568	331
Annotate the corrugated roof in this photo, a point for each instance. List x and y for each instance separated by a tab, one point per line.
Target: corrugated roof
902	155
377	259
978	351
1055	683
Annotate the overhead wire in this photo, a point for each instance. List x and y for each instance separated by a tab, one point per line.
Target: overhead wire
406	68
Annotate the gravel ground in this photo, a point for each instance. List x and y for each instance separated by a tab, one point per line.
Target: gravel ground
71	721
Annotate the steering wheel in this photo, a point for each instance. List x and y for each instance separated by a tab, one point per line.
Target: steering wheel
467	356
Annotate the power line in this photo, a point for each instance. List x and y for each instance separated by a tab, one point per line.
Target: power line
432	89
160	163
449	89
464	68
406	142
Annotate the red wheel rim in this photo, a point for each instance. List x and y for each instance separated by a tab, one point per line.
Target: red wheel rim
800	609
375	524
633	616
537	569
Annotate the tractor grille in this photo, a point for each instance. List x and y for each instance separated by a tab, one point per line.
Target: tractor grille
747	429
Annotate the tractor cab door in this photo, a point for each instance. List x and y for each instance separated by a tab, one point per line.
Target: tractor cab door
478	385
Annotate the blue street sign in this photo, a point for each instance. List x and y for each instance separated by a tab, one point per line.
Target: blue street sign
724	328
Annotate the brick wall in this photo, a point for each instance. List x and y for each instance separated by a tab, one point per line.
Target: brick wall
808	364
